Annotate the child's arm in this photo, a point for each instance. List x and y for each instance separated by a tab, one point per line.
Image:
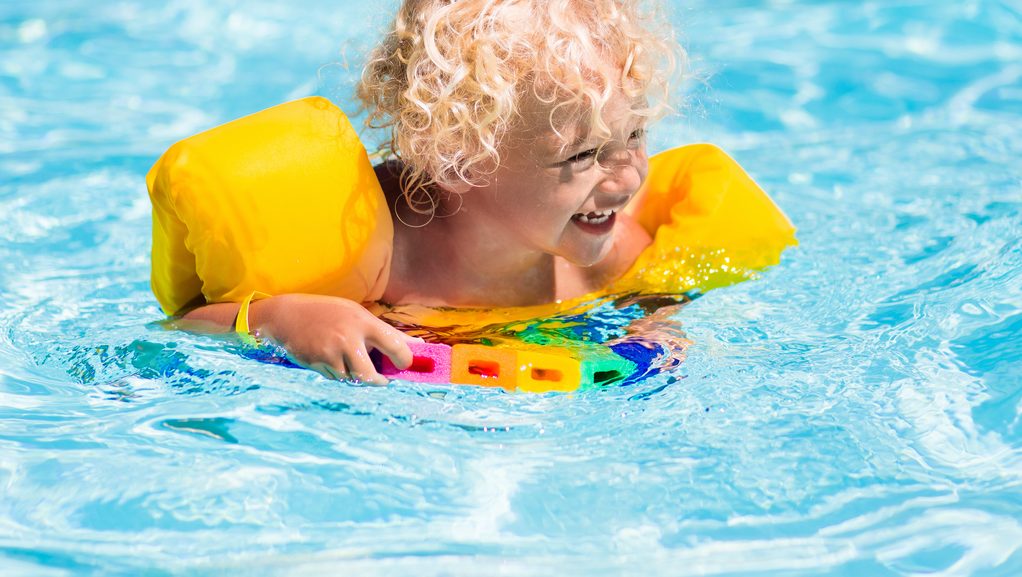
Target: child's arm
329	335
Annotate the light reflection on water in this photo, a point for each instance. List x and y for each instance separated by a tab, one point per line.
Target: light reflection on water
853	412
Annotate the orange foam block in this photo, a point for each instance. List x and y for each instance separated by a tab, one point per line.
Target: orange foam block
481	365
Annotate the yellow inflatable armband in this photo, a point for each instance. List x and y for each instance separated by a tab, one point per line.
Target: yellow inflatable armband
282	201
711	224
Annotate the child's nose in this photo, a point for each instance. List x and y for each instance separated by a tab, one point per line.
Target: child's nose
623	172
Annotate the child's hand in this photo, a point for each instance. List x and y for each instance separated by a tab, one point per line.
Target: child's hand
330	335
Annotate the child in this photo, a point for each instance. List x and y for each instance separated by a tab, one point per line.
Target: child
518	150
518	128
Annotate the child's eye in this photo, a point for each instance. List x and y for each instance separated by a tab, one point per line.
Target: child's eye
582	156
582	160
587	158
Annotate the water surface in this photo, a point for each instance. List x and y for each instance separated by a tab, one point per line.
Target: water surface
855	411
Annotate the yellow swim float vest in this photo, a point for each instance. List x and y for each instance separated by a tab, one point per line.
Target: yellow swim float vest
286	201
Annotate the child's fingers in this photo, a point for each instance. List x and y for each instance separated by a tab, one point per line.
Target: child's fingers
394	344
361	368
336	371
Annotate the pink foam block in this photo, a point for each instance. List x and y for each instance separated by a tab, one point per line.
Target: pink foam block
431	363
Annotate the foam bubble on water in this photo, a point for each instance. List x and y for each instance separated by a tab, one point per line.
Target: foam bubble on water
32	30
798	119
923	45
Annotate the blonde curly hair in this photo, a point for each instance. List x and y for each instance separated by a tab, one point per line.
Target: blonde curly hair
450	79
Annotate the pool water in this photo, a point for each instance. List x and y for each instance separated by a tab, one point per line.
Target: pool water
853	412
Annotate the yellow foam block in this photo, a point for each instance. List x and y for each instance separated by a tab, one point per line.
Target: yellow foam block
549	370
485	366
598	364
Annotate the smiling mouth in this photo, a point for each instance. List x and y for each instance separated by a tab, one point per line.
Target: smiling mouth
596	222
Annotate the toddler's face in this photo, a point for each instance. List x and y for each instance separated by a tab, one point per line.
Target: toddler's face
565	200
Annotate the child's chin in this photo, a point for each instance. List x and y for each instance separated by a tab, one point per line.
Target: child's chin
588	258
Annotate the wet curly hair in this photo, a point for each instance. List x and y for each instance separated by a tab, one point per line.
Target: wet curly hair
451	77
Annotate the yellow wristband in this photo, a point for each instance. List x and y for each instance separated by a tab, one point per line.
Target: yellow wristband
241	321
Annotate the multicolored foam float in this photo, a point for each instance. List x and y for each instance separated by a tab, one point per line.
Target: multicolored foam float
536	369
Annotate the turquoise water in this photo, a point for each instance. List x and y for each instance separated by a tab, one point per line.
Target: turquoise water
854	412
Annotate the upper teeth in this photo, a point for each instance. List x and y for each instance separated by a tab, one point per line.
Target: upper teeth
596	217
